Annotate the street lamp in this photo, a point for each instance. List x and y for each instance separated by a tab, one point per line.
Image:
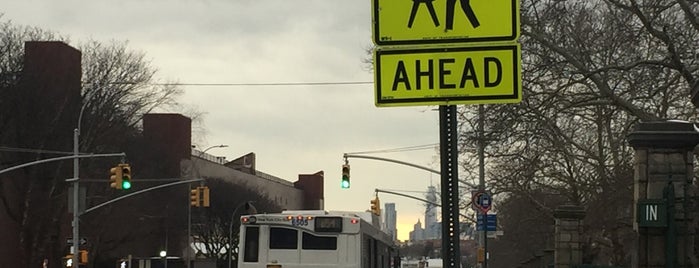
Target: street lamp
189	207
251	209
163	254
211	147
76	186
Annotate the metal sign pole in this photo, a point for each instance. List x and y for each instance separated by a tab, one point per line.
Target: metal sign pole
481	178
671	231
451	254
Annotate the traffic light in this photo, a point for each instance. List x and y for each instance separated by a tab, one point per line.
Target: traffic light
376	206
115	177
194	196
120	177
205	196
125	176
345	184
82	258
480	256
68	260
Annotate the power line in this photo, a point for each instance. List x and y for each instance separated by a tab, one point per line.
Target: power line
245	84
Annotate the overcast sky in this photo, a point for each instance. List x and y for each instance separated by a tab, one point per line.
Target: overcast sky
292	129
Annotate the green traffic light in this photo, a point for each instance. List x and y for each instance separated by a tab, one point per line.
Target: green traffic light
125	185
345	183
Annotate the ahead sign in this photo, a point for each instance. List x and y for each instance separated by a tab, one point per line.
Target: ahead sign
444	21
447	76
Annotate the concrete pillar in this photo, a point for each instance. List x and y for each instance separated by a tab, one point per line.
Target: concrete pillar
664	156
567	244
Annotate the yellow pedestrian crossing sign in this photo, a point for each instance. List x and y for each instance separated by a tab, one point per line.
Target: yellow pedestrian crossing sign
413	22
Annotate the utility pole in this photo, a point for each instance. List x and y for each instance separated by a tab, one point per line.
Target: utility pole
76	192
483	237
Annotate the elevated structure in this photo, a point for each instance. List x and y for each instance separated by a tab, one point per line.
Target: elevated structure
169	135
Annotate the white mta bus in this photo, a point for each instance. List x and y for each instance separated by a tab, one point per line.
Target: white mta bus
295	239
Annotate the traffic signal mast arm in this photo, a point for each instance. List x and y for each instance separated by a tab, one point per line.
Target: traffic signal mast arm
139	192
422	200
406	164
61	158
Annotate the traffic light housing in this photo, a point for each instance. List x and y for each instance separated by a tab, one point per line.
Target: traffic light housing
120	177
82	258
68	261
205	196
345	183
376	206
115	177
125	176
194	197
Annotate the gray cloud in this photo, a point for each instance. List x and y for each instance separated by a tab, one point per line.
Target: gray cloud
293	129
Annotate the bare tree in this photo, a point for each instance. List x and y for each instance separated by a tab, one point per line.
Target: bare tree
118	87
228	203
591	70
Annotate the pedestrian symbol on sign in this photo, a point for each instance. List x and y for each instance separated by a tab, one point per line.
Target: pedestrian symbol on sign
430	8
466	7
451	4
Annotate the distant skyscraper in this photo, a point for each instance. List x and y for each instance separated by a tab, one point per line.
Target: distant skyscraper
390	209
418	234
433	228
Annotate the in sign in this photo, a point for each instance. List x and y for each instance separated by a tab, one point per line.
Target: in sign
651	213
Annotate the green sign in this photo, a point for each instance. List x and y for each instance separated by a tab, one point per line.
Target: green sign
652	213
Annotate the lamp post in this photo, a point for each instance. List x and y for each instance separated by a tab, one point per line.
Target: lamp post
163	255
248	206
76	187
189	206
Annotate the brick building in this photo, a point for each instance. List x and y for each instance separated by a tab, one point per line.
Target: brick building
45	106
170	135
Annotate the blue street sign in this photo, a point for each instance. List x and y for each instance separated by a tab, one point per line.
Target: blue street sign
482	201
491	222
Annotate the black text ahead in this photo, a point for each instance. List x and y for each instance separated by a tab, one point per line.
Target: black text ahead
446	76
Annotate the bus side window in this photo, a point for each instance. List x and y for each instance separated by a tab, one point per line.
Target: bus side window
283	238
252	244
310	241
